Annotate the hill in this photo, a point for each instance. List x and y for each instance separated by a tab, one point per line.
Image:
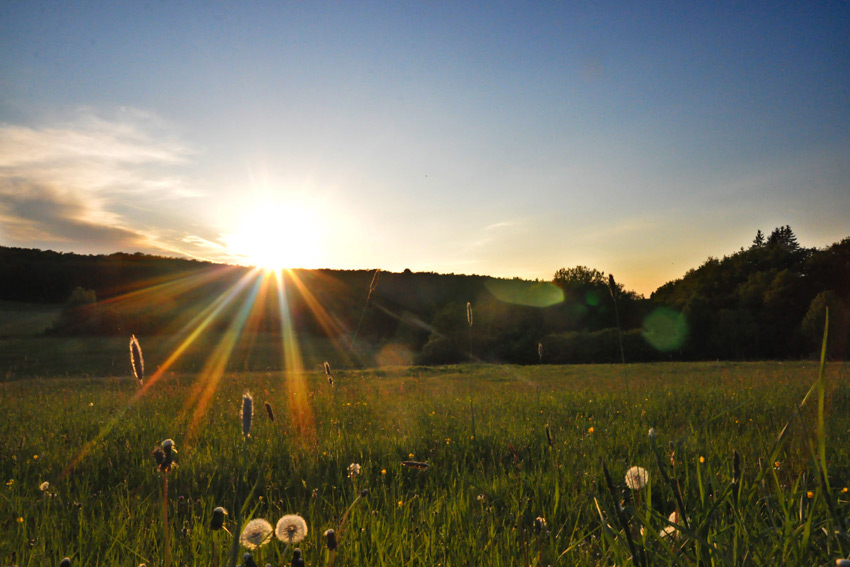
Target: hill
765	301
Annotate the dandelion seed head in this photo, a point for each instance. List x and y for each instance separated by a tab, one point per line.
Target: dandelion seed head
66	562
539	524
330	539
218	518
291	528
636	478
353	470
44	486
652	433
257	532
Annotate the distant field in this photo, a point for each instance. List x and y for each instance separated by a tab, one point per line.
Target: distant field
26	319
42	356
504	444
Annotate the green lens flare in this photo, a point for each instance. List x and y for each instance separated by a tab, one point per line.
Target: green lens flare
665	329
532	294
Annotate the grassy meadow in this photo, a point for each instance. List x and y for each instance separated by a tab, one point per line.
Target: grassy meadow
505	445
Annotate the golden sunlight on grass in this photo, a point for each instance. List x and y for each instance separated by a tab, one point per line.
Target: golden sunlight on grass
273	235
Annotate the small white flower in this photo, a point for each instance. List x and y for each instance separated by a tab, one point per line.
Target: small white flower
353	470
668	531
44	486
636	478
651	433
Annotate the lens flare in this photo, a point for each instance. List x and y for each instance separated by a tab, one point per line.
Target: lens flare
665	329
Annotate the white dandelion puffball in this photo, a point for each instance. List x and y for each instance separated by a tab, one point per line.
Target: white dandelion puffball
291	528
353	470
636	478
257	532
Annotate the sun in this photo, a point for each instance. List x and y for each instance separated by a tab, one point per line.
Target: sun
274	235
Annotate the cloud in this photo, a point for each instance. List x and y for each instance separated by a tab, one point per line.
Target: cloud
78	183
32	213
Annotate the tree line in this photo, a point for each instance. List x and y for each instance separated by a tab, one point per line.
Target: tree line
764	301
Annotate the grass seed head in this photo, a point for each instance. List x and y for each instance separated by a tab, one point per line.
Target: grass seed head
612	286
291	528
257	532
269	411
469	313
136	360
247	413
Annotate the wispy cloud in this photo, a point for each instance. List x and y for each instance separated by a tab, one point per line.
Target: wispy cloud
39	214
74	185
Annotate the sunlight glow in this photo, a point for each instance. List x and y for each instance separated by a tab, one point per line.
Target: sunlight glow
274	234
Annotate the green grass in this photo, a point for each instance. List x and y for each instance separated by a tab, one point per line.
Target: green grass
477	502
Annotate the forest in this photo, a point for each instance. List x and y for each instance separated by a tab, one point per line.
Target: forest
765	301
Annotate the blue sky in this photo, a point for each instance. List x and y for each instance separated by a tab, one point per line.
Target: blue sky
508	139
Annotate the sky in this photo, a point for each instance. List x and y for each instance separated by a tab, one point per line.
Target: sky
497	138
